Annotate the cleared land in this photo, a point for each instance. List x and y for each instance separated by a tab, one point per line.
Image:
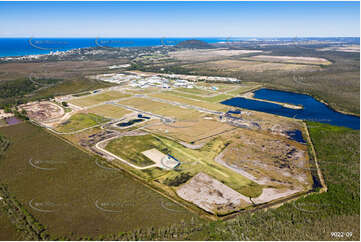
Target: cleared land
192	161
273	161
109	111
212	99
243	88
80	121
79	193
212	195
291	59
345	48
202	55
210	106
43	111
98	98
195	91
161	108
191	131
250	66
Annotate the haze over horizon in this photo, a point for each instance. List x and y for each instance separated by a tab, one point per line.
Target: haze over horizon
180	19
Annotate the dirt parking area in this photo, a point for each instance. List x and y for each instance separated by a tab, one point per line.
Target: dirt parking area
212	195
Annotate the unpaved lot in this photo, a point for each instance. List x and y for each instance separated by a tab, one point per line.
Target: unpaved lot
212	195
43	111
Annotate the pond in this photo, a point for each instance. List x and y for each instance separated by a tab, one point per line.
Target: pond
131	122
313	110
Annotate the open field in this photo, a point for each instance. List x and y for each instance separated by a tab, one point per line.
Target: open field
195	91
161	108
269	160
130	148
109	111
80	121
191	131
203	55
290	59
221	87
344	48
249	66
166	95
81	197
213	99
220	199
192	161
98	98
243	88
314	216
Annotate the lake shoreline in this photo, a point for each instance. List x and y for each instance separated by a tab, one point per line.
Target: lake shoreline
271	100
315	97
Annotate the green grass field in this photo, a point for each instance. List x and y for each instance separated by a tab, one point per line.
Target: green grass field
80	121
130	148
98	98
79	193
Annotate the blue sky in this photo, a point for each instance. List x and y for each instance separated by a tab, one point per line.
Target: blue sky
179	19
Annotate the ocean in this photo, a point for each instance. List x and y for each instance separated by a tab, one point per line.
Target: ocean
36	46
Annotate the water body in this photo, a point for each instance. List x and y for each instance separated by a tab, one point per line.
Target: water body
131	122
36	46
313	110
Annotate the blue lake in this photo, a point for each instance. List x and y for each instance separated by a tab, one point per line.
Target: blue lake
313	110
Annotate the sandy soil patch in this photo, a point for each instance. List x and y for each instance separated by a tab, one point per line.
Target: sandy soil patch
212	195
270	194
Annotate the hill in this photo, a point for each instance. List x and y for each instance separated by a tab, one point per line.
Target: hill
194	44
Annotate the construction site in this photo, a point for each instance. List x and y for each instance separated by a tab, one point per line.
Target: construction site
214	159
